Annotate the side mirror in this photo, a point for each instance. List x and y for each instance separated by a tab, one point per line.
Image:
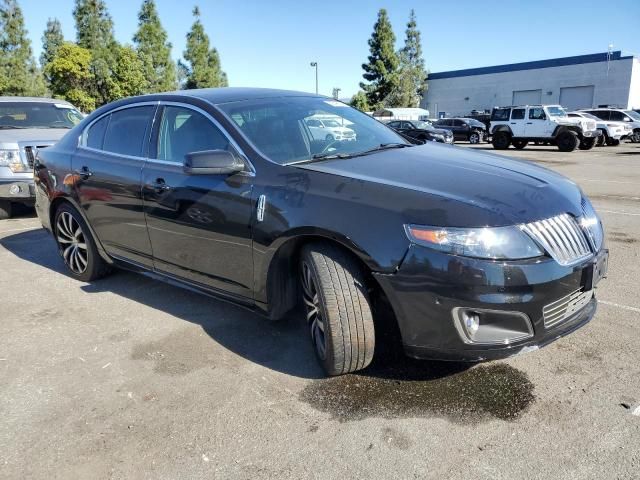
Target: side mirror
212	162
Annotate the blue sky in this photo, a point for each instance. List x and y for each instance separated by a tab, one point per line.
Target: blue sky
269	43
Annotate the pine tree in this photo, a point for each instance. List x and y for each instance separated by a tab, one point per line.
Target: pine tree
359	101
202	67
412	77
17	65
381	72
154	50
128	76
94	28
52	38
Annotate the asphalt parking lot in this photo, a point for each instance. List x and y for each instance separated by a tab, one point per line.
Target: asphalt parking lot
132	378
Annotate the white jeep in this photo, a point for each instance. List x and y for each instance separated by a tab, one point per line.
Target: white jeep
520	125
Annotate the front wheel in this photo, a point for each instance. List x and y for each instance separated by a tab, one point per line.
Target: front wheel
338	310
501	140
76	245
6	209
567	141
475	138
587	143
613	142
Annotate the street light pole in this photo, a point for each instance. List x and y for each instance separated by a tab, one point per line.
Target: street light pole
315	64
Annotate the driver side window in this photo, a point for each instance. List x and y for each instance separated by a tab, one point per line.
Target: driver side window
183	131
536	114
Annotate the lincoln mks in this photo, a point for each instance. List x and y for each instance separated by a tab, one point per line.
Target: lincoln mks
228	192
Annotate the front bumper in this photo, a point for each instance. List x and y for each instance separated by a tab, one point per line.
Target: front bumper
591	133
21	191
430	285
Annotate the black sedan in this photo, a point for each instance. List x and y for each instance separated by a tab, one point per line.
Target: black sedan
421	130
464	129
227	192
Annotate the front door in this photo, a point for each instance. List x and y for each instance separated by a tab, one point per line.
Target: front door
538	125
199	225
107	173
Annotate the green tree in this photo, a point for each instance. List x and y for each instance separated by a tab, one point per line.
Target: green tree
128	76
52	38
18	68
202	68
412	77
359	101
381	72
154	50
71	77
94	29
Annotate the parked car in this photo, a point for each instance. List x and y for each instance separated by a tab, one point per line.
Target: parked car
520	125
222	190
329	129
464	129
26	126
630	117
422	130
611	132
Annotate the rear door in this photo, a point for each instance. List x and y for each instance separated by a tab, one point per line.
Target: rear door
199	225
517	122
107	173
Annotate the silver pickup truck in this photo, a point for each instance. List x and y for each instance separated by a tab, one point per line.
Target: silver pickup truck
26	125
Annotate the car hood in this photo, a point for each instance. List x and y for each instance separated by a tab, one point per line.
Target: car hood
20	135
439	131
476	189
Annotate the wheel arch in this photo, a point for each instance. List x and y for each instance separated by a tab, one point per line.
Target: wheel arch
502	128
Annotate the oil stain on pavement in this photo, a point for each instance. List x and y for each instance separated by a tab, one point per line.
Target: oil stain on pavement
410	388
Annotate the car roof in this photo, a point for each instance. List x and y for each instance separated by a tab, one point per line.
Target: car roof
33	99
236	94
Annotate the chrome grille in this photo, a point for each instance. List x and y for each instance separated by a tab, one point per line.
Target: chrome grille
30	152
564	308
561	237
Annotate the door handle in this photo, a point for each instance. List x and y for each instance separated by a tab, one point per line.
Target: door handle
529	123
160	185
513	123
84	172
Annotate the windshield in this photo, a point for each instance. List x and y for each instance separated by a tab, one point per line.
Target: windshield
278	128
589	116
633	114
38	115
556	112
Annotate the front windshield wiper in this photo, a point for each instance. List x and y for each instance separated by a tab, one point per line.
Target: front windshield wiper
318	157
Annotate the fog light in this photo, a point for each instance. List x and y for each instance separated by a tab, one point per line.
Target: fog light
15	189
491	327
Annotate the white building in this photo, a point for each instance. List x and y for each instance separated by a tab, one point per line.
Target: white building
584	81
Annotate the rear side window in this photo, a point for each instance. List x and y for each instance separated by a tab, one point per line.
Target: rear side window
183	131
95	134
517	114
500	114
126	133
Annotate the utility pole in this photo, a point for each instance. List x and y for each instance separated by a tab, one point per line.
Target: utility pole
336	93
315	64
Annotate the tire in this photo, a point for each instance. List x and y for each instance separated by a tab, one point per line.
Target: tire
475	138
567	141
519	144
602	139
635	138
6	209
501	140
77	246
587	143
338	309
613	142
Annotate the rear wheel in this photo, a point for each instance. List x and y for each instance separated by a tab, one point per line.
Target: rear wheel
338	310
6	209
567	141
76	245
519	144
587	143
501	140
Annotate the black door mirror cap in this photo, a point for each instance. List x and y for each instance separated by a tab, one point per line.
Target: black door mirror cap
212	162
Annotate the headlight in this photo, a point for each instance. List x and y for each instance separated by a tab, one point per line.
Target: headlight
438	136
591	223
11	159
506	243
